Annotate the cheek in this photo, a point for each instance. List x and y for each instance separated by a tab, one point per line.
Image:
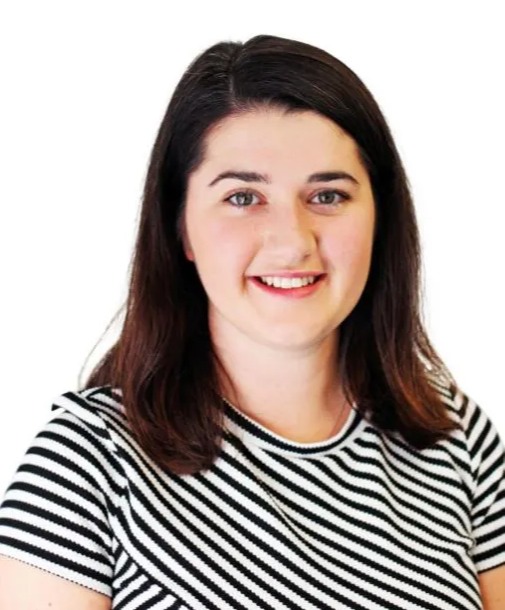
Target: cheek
350	247
222	246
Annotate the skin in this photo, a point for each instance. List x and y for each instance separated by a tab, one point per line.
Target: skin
280	352
25	587
492	586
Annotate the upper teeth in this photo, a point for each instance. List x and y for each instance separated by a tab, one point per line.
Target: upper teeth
285	282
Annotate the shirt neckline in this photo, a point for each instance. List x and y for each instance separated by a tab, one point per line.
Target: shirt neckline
253	433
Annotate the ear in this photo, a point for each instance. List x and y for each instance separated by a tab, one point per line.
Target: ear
186	247
188	252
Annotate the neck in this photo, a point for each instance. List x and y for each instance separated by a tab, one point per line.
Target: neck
295	394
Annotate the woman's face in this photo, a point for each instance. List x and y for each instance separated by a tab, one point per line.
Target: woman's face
282	219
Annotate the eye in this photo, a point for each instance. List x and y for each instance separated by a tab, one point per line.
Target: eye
243	196
332	194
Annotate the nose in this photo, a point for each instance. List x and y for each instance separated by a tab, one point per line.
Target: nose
289	235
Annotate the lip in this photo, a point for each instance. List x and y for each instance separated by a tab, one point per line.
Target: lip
289	274
292	293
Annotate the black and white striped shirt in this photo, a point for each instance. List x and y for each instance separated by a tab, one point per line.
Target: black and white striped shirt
359	521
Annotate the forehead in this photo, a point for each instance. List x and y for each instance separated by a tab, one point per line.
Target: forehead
273	138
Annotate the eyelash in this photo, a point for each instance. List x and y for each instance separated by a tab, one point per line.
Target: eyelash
344	196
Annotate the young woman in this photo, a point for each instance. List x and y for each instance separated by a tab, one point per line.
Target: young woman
273	428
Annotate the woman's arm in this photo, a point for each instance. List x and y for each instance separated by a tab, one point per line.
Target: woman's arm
492	587
27	588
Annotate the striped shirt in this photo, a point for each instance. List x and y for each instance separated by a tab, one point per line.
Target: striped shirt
359	521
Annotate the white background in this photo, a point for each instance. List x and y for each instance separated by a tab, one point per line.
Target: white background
84	87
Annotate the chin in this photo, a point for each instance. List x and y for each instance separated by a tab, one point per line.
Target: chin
294	340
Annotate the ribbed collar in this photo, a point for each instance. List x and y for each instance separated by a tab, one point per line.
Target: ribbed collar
251	432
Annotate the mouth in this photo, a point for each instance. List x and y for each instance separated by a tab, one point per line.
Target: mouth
302	291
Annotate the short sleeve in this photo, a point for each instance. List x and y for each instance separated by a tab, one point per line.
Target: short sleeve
56	512
487	465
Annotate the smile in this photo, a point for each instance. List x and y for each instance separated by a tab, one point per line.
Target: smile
290	290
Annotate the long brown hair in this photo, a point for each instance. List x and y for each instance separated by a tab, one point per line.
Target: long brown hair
164	362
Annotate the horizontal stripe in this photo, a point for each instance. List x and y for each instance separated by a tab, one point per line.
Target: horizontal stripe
361	521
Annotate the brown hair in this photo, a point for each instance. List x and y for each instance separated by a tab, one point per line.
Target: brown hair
164	361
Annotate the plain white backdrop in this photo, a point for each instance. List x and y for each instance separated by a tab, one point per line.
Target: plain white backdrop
84	88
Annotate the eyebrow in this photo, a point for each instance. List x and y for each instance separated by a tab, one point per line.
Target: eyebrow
255	177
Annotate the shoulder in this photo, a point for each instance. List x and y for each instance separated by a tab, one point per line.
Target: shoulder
469	416
58	511
100	413
99	408
475	427
90	424
475	444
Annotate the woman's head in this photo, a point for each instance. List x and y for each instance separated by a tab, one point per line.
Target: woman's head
279	191
232	82
286	109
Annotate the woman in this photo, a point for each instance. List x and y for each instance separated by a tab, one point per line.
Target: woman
273	428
